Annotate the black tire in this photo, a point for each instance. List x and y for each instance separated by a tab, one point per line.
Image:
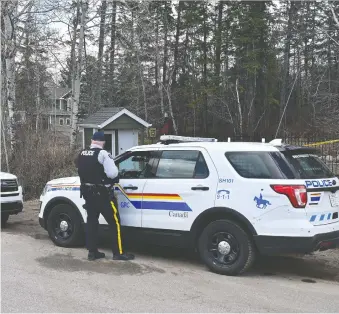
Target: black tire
217	239
74	235
4	219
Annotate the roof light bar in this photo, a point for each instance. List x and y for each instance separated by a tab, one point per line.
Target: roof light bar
178	139
276	142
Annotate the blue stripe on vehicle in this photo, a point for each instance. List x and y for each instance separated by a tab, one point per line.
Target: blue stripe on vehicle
65	189
151	205
321	217
315	198
178	206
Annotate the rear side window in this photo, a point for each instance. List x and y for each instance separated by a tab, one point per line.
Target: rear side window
182	165
308	166
255	165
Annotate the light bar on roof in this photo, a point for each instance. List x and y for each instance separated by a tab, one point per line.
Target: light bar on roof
276	142
165	138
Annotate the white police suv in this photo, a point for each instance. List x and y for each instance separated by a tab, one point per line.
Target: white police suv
11	197
230	201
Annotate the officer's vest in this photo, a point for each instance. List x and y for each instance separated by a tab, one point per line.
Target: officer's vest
89	168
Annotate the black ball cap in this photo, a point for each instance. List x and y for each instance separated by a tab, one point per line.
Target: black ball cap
98	136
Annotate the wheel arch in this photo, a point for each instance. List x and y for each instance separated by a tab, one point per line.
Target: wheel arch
59	201
216	213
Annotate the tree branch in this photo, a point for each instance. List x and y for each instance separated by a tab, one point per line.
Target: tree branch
334	16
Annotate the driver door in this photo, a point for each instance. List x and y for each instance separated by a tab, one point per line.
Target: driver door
134	168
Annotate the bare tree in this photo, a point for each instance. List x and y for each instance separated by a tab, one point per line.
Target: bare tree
9	14
334	16
112	52
82	5
96	100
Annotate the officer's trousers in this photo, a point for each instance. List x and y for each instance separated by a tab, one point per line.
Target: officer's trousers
99	201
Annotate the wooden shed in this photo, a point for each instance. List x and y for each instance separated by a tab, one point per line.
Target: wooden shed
122	128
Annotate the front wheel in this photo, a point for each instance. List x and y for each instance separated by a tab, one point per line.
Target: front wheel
64	226
226	248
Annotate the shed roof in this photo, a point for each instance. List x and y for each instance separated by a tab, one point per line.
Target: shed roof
107	115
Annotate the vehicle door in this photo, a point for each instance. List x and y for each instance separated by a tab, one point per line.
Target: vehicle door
133	167
182	185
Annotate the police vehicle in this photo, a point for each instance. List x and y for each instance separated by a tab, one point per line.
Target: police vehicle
11	197
228	200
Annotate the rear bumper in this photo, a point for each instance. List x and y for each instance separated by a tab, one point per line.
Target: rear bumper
11	208
269	245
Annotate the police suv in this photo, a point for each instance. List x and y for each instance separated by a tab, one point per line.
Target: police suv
230	201
11	197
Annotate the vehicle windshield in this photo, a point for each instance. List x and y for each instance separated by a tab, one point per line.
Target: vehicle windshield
308	166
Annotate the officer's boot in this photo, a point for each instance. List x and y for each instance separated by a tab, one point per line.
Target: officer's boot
123	257
93	255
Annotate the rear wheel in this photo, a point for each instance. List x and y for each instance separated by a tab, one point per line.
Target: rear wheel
226	248
64	226
4	219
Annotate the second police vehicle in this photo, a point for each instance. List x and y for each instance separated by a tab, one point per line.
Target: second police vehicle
229	201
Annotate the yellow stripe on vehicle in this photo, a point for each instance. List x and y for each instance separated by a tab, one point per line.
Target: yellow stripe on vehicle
118	226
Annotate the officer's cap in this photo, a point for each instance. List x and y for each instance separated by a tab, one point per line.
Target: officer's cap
98	136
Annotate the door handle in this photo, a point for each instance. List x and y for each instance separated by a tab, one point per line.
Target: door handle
201	188
130	187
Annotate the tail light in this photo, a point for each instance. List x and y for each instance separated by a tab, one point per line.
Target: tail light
297	194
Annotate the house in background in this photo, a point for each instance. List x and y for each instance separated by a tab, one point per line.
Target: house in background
54	114
57	115
122	128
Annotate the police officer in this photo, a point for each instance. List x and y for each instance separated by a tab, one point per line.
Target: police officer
98	173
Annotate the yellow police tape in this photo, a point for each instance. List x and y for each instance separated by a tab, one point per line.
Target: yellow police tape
322	143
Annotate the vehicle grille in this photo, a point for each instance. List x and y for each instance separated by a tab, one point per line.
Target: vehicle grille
9	185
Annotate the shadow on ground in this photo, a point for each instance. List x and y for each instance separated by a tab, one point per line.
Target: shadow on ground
282	266
309	268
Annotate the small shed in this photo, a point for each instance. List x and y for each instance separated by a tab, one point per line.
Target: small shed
122	128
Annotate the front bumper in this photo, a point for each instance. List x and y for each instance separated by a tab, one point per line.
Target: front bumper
269	245
42	223
11	208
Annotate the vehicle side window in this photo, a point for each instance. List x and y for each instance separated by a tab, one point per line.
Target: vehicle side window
308	166
182	165
256	165
201	169
136	165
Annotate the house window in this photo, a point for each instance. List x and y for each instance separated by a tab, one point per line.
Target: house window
68	121
69	104
61	121
63	104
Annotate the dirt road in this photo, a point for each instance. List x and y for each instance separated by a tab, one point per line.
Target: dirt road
37	276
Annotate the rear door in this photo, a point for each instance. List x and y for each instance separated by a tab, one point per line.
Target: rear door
183	184
321	184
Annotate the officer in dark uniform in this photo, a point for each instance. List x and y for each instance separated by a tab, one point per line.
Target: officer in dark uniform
98	173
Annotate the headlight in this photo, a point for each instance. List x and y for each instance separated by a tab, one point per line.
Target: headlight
20	184
46	189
